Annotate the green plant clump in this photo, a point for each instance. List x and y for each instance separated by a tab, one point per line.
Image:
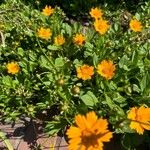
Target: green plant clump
53	68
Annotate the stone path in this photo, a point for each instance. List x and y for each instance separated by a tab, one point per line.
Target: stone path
27	139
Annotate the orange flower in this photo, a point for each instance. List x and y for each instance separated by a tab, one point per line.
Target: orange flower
85	72
101	26
140	119
89	134
106	69
13	68
44	33
47	11
59	40
135	25
79	39
96	13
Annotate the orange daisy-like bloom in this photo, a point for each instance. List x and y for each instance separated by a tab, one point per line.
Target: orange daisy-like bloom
106	69
79	39
47	11
101	26
135	25
89	134
44	33
96	13
59	40
85	72
13	67
140	119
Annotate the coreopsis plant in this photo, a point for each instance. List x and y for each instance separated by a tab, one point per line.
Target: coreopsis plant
13	67
140	119
44	33
106	69
90	132
79	39
59	40
101	26
85	72
96	13
48	11
135	25
54	68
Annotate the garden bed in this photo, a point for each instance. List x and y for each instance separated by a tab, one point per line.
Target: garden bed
78	74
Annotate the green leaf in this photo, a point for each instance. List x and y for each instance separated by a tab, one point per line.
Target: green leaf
59	62
54	127
88	45
124	127
53	47
136	88
89	99
119	98
137	16
116	27
7	81
143	82
50	77
32	56
44	62
47	83
112	85
6	141
20	51
123	62
109	101
77	63
95	60
67	28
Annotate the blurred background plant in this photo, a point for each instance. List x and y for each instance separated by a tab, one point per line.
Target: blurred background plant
79	9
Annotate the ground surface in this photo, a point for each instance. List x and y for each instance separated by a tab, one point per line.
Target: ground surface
27	139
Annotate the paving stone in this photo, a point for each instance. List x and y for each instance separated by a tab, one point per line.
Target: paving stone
28	138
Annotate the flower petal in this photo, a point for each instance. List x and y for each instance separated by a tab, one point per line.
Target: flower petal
91	118
74	143
100	126
137	127
106	137
80	121
73	132
132	113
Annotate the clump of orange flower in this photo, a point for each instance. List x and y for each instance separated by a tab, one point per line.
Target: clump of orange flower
101	26
89	134
47	11
59	40
79	39
135	25
13	67
96	13
85	72
106	69
140	119
44	33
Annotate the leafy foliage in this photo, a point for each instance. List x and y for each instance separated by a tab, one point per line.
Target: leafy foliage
47	76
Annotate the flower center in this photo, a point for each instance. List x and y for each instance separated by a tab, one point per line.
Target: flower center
106	71
89	138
